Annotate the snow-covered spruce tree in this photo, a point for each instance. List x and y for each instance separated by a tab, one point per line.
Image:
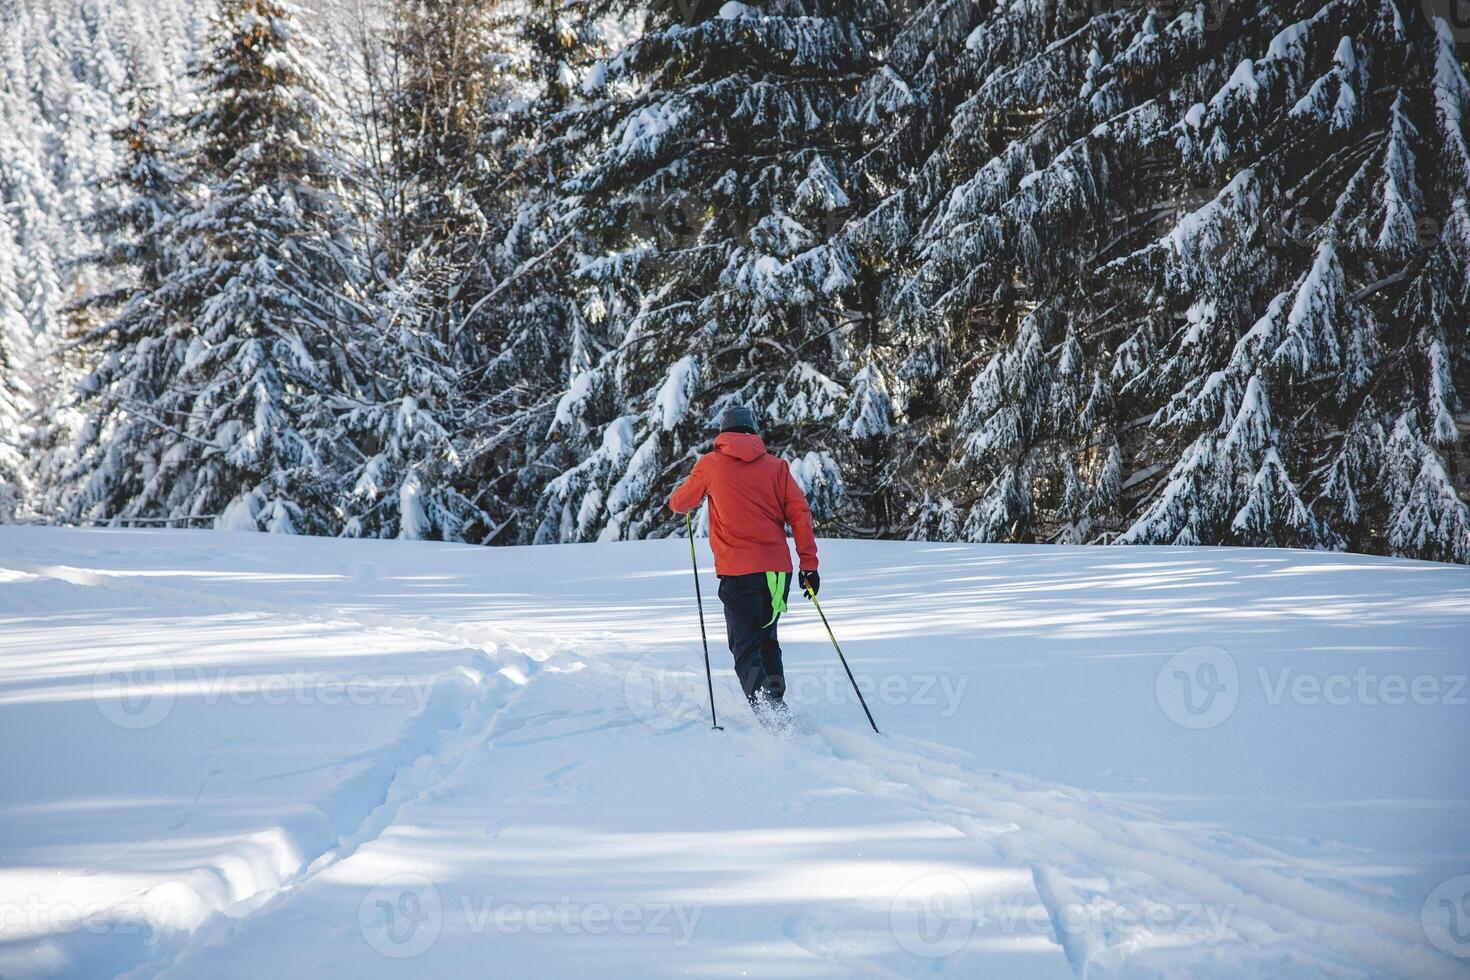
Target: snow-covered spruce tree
15	338
403	422
62	65
1210	222
33	233
523	336
913	95
719	170
261	324
34	209
994	234
439	74
429	83
138	345
1331	272
469	266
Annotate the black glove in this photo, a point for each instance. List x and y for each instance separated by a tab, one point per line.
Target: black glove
809	581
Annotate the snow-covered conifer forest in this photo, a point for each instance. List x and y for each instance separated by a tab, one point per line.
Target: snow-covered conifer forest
989	270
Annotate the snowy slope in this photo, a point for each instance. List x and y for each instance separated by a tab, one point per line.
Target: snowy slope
244	755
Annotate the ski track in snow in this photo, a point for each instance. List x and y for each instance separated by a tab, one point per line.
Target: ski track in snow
1052	821
416	781
1081	849
482	695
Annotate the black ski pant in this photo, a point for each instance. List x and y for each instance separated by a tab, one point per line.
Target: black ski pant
753	603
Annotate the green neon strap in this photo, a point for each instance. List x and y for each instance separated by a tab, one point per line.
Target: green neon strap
776	582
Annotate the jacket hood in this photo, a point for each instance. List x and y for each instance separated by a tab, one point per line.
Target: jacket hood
741	445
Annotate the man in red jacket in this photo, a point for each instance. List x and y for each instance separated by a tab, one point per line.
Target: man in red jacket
752	497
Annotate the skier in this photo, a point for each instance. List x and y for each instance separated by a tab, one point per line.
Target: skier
752	499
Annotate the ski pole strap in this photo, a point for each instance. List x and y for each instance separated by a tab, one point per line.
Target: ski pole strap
776	582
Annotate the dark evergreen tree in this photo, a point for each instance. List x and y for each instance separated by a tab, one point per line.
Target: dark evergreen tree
717	175
251	336
1188	246
523	337
135	349
441	85
403	422
435	81
1329	259
1025	271
15	393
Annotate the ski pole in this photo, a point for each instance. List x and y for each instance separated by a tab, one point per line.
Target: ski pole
699	601
835	646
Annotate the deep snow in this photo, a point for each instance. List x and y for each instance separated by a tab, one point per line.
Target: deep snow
246	755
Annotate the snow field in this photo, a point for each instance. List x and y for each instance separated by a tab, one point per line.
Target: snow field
232	754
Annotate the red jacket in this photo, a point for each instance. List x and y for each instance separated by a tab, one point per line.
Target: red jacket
752	497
